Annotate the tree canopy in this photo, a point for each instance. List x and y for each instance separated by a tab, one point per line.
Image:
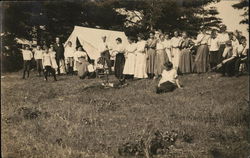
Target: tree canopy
243	4
45	20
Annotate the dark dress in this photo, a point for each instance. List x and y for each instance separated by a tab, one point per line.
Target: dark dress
220	52
166	87
186	61
119	65
151	45
59	49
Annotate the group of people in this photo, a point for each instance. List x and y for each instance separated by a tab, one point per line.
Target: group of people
55	60
157	57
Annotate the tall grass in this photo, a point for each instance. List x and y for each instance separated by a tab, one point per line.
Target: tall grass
78	118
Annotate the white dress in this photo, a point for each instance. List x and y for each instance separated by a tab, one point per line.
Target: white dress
175	43
53	60
129	68
140	61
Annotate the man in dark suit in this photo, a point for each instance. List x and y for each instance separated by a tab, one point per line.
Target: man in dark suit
59	49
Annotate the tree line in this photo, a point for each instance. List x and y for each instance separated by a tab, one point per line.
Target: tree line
45	20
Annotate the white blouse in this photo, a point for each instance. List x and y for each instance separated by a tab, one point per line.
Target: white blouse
160	45
175	42
27	55
140	46
202	38
214	44
69	52
79	54
38	54
47	59
170	76
167	44
131	48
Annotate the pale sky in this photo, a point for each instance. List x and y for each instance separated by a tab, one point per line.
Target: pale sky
230	16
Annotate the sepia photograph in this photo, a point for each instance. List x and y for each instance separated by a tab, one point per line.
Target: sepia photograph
125	79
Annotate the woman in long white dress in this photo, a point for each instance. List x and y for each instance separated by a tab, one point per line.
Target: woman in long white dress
140	64
175	46
129	68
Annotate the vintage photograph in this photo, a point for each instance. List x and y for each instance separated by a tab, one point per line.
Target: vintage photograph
125	79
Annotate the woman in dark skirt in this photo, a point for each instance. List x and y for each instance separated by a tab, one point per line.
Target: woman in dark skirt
119	61
201	63
169	80
185	65
214	45
151	53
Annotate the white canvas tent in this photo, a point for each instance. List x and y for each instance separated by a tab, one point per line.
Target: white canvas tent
90	38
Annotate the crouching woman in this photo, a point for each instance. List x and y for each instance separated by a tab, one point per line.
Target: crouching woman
169	80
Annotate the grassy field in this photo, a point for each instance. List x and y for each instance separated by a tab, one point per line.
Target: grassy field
72	118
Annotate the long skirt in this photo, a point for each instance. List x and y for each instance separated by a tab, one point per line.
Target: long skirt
82	67
201	62
176	57
140	65
166	87
151	61
129	67
39	65
54	63
213	58
169	54
185	64
160	59
119	65
221	50
62	67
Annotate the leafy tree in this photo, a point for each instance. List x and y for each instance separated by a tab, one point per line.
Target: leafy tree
188	15
243	4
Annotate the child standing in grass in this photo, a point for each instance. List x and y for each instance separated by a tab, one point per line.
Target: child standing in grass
27	56
169	80
47	63
38	57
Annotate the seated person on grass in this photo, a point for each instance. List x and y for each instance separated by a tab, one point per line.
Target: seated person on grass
169	80
91	69
230	55
243	52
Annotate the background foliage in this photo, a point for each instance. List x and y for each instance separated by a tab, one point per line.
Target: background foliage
45	20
